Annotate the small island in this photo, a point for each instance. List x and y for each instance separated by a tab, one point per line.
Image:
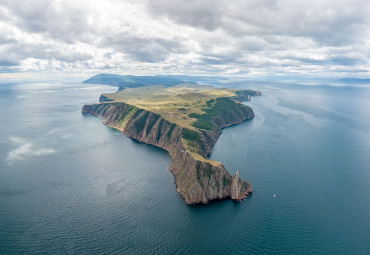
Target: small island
183	118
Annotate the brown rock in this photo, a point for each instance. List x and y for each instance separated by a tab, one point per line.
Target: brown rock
198	181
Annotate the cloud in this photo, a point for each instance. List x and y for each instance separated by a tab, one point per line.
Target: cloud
202	14
195	37
25	149
61	20
67	136
143	49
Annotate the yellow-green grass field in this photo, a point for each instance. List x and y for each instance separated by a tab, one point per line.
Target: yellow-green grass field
172	103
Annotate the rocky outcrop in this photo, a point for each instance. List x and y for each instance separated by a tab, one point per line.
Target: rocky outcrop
198	179
245	95
240	189
103	99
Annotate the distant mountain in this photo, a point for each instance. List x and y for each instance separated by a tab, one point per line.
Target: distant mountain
355	80
130	81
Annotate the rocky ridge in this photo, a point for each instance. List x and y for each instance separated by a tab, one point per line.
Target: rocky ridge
198	179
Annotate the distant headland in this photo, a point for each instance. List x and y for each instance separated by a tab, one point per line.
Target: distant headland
185	119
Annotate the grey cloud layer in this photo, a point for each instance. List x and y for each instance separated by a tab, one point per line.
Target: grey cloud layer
241	36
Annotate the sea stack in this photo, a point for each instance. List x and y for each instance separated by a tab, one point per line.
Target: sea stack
240	189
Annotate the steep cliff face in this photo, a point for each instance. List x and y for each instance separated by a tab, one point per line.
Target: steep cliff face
198	179
240	189
245	95
103	99
241	114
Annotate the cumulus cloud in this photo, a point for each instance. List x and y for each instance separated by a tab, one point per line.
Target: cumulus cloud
208	36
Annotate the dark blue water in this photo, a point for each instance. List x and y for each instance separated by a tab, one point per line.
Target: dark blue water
70	185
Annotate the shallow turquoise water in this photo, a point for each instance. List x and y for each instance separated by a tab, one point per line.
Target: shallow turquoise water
69	184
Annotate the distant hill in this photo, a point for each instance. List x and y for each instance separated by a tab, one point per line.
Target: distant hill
354	80
130	81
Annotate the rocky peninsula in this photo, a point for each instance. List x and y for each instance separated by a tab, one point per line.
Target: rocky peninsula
186	120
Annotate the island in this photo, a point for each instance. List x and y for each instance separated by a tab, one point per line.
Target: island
186	120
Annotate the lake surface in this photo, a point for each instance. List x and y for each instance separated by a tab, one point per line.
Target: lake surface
70	185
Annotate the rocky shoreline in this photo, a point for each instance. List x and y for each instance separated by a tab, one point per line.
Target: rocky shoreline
198	179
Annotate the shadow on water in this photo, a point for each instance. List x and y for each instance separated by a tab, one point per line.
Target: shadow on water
115	131
217	202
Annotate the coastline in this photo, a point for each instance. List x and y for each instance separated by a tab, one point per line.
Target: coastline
198	180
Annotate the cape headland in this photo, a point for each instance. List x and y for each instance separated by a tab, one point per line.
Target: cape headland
186	120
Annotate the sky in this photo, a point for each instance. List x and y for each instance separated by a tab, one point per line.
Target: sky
242	38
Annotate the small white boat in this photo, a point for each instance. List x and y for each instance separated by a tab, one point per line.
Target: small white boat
274	195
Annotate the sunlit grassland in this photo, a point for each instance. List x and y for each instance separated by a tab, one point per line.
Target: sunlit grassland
193	107
173	103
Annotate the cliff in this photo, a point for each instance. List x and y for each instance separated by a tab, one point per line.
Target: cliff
245	95
198	179
240	189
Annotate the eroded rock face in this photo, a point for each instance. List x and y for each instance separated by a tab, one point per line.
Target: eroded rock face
236	185
197	180
240	189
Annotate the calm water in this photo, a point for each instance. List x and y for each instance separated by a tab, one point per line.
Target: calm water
70	185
